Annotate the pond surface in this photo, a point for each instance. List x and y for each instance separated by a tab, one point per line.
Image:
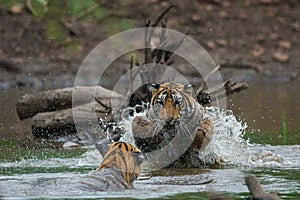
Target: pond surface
250	140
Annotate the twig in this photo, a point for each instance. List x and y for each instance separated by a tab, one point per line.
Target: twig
162	14
170	53
148	36
256	68
88	11
211	73
131	76
180	42
149	55
69	26
108	108
147	42
205	97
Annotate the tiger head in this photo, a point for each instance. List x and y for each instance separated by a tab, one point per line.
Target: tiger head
169	100
125	158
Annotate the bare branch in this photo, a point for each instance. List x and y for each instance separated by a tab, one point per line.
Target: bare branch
148	34
257	191
211	73
256	68
70	27
108	109
162	14
176	46
205	97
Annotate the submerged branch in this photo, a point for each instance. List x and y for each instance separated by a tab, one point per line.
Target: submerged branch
257	191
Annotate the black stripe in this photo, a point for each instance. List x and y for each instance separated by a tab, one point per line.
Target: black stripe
126	146
124	160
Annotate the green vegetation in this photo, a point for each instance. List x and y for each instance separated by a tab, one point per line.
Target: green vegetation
289	174
32	170
37	7
54	31
11	151
199	196
59	15
273	138
284	127
10	3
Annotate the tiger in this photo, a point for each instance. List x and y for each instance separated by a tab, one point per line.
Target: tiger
173	109
119	168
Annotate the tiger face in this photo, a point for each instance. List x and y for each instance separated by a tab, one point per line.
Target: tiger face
169	100
174	114
125	158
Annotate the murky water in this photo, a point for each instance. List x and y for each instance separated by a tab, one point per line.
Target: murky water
276	166
263	105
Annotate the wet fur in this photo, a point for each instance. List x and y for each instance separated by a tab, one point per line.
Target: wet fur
119	168
172	109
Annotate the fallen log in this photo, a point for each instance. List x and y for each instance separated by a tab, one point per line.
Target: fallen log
61	122
53	100
52	110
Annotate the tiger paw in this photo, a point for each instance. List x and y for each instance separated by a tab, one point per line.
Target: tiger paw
207	128
142	127
203	135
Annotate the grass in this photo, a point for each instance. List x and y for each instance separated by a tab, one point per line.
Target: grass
274	138
283	137
284	127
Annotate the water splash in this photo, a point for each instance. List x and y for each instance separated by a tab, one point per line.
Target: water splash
90	158
227	145
128	115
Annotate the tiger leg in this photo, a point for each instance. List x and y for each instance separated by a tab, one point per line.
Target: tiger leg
203	135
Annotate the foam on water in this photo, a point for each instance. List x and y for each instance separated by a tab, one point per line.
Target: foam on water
227	145
126	122
88	159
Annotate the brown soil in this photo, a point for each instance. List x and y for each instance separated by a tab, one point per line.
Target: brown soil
262	33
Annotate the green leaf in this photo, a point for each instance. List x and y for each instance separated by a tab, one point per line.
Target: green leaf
77	7
9	3
100	13
37	7
54	31
126	24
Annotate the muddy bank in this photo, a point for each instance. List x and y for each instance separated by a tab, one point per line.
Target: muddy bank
228	30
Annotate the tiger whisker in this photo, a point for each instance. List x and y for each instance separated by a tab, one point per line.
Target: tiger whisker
186	130
158	127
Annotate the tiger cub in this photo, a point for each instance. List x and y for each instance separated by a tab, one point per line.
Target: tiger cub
119	168
173	109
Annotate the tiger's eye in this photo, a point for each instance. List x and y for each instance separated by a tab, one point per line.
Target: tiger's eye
160	102
177	102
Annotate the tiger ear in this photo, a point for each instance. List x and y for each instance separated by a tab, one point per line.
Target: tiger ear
103	146
153	87
189	89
